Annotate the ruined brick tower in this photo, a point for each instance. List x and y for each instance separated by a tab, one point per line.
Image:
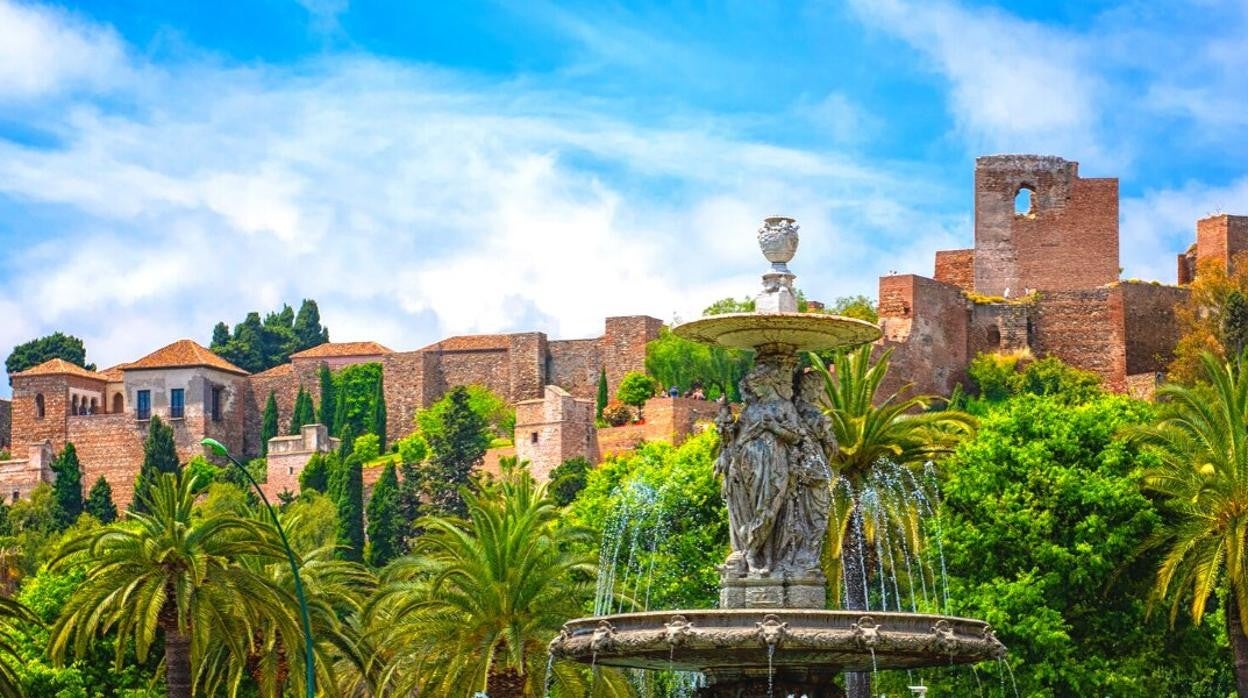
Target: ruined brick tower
1043	276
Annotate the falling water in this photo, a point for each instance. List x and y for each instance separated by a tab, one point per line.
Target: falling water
771	672
627	560
550	674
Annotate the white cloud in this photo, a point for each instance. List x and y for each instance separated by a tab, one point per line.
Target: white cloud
44	51
1160	224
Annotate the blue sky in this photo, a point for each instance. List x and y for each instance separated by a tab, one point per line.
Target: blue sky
427	169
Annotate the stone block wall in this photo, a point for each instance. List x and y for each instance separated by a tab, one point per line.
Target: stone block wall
289	454
1150	330
1220	238
27	426
553	429
623	346
1000	327
575	365
526	363
1067	241
926	324
667	419
283	382
1084	329
6	424
111	446
404	377
956	268
19	476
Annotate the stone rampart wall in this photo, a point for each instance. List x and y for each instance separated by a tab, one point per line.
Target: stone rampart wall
956	268
1084	329
6	424
1150	328
925	324
575	365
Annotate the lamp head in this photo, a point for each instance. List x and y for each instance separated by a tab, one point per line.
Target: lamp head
215	446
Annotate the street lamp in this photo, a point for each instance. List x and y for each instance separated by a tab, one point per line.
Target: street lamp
309	667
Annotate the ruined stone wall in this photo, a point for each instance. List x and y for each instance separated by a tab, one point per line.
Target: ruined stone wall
526	363
956	268
623	346
1150	329
999	327
575	365
1084	329
404	378
19	476
6	424
1067	241
27	427
1220	238
926	324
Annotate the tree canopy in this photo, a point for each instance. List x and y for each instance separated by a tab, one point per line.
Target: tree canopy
57	345
256	345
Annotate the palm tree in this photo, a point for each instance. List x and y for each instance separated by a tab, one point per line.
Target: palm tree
14	617
1201	441
169	570
879	489
475	606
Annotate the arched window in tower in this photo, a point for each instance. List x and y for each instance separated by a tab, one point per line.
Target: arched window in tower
994	337
95	406
1024	201
39	406
118	404
73	406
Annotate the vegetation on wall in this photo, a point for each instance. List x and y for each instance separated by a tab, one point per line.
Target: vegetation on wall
1211	319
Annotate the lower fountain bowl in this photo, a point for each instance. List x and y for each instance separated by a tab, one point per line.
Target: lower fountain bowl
726	643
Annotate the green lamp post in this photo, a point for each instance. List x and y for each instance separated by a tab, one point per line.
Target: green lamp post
309	667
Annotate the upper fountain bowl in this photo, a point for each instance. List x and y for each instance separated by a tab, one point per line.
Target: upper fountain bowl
794	331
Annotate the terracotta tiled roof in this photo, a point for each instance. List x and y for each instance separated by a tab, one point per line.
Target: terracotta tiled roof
182	353
59	367
113	374
276	371
471	342
332	349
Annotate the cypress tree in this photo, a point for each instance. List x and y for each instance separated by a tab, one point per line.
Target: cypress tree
315	475
304	412
384	535
307	326
603	395
268	428
160	455
377	419
349	488
100	502
1235	326
67	489
340	409
346	445
410	492
327	398
457	447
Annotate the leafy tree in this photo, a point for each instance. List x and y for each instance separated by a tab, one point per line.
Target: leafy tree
268	423
346	444
160	455
384	525
498	415
13	617
328	403
378	416
54	346
684	364
413	449
315	475
1202	317
257	345
170	572
723	306
458	443
635	388
347	489
303	413
367	447
603	395
998	376
67	487
503	582
411	491
100	502
1202	481
1235	325
859	307
308	330
568	479
1041	527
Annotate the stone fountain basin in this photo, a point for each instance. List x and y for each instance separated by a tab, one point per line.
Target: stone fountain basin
796	331
737	641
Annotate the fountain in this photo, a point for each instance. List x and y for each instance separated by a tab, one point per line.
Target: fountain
771	634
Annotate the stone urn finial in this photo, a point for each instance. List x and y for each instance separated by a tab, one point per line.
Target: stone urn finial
778	240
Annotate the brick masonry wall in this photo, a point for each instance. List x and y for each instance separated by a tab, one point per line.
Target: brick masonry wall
554	429
956	268
488	367
1220	238
526	356
6	424
999	327
404	375
1070	239
112	446
27	427
1084	329
926	324
1149	326
623	346
575	365
283	383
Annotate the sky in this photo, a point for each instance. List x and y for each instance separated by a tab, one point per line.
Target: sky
429	169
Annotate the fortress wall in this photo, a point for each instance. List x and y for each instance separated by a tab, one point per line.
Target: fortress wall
575	365
1003	327
283	382
1150	328
6	424
488	367
111	445
956	268
403	375
623	346
926	324
526	358
1084	329
26	426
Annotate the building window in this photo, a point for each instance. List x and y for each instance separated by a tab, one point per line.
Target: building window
177	403
1024	201
40	410
119	404
216	403
533	437
16	495
144	410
